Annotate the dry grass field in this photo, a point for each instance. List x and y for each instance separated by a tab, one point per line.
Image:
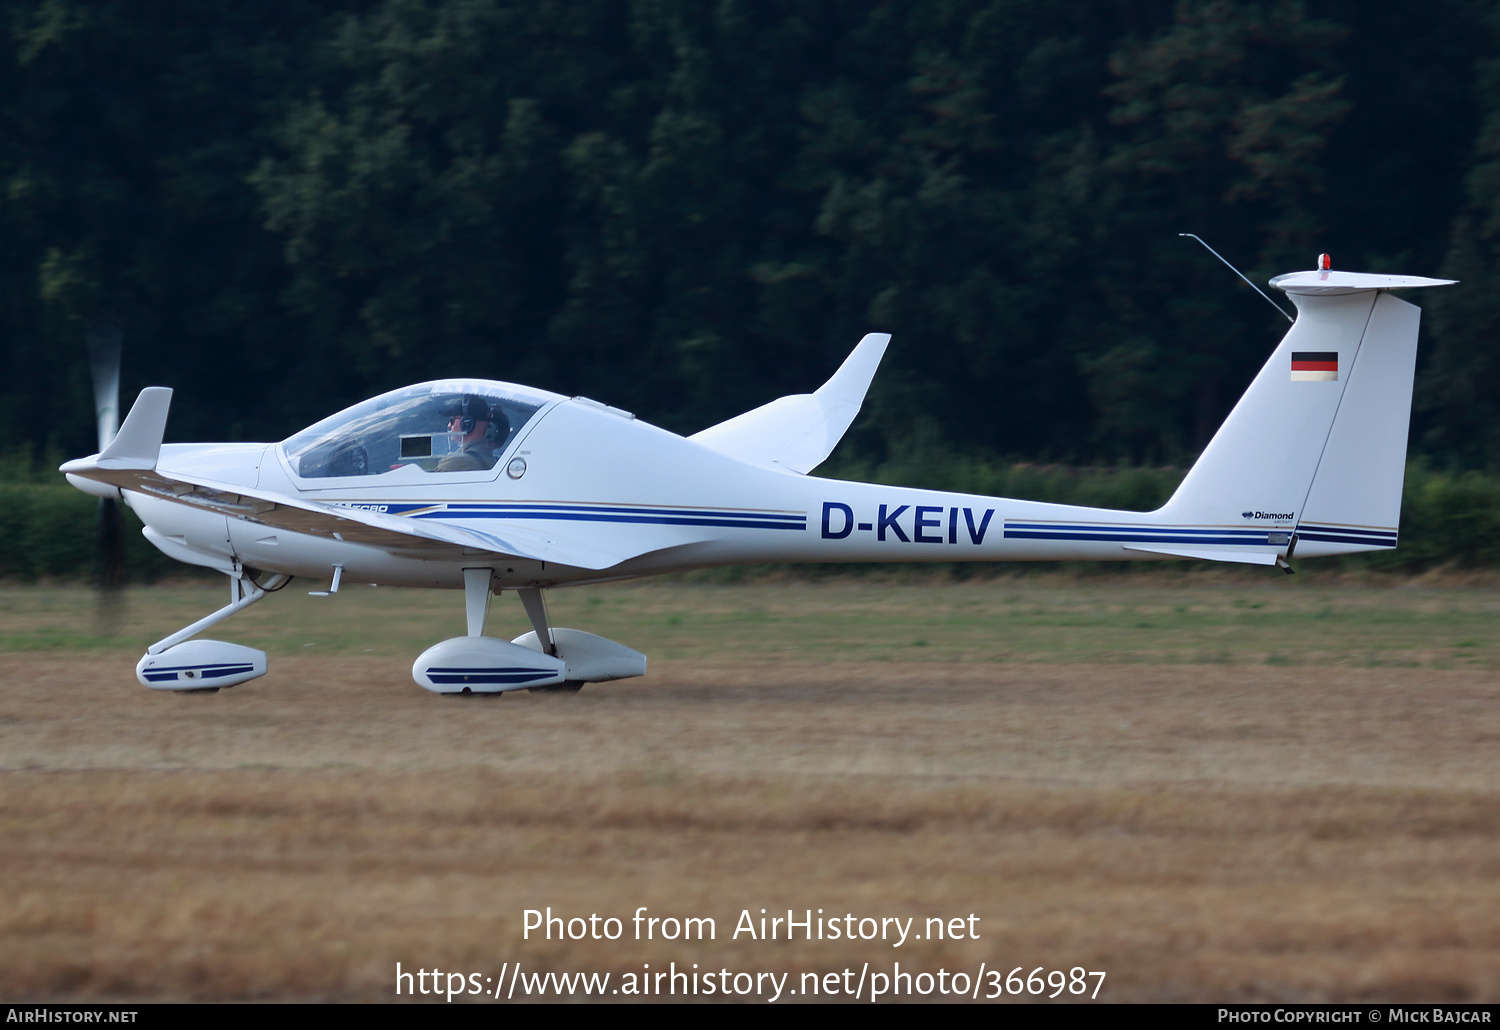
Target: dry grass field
1210	789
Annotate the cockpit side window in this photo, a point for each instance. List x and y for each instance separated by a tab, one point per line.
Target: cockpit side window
457	426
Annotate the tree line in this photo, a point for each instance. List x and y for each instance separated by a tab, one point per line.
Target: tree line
688	208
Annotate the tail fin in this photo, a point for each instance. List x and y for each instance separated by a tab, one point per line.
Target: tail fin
1317	445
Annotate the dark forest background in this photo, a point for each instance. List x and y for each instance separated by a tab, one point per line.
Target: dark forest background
689	208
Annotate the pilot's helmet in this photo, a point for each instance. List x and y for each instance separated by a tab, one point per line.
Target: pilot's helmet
472	408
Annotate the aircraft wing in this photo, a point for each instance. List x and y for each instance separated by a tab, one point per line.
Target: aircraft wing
798	432
426	538
129	463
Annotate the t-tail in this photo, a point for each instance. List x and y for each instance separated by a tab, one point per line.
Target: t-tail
1314	453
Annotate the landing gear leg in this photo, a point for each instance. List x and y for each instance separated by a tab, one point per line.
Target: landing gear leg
536	611
477	599
203	666
240	598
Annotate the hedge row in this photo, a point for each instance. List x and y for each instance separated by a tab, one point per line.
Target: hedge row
49	530
1446	519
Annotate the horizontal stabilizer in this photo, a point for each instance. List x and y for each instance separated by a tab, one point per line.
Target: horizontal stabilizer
1209	554
799	431
1335	283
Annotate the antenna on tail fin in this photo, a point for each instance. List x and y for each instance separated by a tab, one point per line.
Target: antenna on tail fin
1237	272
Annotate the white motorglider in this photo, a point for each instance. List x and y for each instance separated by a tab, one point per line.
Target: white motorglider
487	486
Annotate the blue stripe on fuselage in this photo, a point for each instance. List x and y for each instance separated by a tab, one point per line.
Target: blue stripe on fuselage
611	513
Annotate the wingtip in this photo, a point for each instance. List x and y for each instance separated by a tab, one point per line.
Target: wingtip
138	443
852	380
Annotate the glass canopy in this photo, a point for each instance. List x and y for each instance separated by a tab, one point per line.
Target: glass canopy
452	425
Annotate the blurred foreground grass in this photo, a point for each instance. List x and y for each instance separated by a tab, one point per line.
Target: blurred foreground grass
1050	618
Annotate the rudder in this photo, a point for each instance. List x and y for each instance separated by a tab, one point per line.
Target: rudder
1355	500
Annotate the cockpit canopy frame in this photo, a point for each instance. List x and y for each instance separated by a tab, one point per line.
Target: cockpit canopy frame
409	429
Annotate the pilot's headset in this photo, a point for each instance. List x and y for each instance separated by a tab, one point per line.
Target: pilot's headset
472	409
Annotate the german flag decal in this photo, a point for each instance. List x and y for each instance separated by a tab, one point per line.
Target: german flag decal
1314	365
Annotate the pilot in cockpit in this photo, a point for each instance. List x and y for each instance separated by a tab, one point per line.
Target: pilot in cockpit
479	426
